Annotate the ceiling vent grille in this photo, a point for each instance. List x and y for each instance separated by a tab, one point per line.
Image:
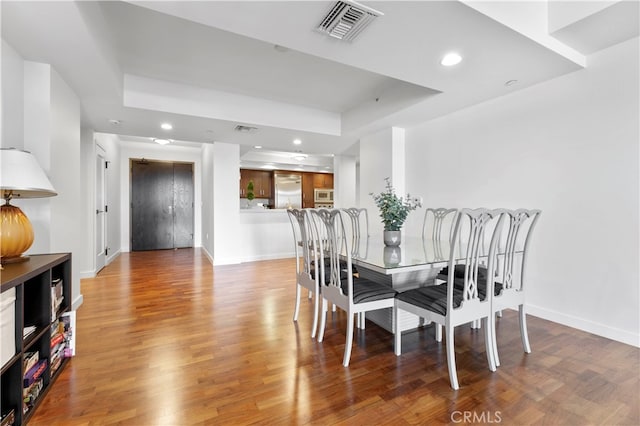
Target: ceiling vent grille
347	19
245	129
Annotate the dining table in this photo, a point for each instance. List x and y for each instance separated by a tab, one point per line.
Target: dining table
414	263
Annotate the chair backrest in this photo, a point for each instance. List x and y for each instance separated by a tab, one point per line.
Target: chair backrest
438	226
305	251
359	219
470	230
519	226
334	248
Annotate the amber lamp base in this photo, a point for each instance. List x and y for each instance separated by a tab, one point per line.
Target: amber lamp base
16	234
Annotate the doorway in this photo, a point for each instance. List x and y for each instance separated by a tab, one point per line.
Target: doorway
162	205
101	212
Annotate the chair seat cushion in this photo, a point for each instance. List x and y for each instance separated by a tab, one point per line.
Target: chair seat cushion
432	298
343	264
458	272
368	291
482	287
327	274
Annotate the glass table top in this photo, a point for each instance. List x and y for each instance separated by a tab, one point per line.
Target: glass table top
412	254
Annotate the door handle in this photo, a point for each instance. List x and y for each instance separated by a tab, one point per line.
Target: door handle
99	211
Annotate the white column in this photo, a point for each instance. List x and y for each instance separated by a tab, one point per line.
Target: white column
226	208
381	156
344	179
52	134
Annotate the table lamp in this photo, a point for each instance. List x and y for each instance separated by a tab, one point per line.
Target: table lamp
20	177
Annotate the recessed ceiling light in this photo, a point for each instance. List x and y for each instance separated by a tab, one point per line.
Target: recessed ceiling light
162	141
166	126
300	157
297	141
510	82
258	146
114	122
450	59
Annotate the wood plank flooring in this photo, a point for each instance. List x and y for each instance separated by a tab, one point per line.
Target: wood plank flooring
163	338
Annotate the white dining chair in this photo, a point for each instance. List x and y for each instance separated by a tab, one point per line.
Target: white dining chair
509	288
438	226
351	294
306	257
448	305
359	218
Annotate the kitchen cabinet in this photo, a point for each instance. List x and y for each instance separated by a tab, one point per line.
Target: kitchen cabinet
307	190
262	183
323	180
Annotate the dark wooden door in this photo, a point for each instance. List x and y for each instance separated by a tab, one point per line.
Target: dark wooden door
183	205
161	205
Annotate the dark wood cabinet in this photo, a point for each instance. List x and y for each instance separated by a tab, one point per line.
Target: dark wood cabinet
323	180
307	190
262	183
37	285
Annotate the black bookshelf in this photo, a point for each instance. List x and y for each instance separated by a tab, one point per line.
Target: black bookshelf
32	281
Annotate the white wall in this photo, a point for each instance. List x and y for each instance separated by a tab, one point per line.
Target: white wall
207	200
66	208
87	184
344	178
382	155
51	131
12	98
226	204
155	152
36	139
569	147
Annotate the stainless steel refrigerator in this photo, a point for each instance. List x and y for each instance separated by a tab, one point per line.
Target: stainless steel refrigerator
288	188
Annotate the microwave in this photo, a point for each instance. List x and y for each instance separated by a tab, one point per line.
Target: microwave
323	195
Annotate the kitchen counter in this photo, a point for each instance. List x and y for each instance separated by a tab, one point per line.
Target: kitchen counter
258	210
265	234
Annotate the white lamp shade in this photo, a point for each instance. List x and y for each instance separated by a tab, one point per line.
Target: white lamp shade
21	176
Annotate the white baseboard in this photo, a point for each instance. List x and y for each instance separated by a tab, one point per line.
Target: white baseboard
236	260
603	330
268	257
206	253
87	274
112	257
77	302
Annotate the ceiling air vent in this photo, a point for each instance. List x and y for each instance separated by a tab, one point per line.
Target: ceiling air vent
245	129
347	19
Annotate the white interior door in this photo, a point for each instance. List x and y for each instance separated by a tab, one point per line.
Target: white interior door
101	212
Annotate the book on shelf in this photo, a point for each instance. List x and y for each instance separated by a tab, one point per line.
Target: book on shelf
56	287
30	395
57	339
55	306
28	330
30	359
34	373
68	319
8	418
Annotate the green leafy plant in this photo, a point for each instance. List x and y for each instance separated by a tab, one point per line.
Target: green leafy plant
250	194
393	209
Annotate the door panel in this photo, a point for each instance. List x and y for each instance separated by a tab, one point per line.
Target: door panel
101	213
151	205
183	203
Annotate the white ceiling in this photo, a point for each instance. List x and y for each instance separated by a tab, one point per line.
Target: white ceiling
209	66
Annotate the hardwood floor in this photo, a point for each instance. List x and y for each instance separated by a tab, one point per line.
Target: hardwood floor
163	338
